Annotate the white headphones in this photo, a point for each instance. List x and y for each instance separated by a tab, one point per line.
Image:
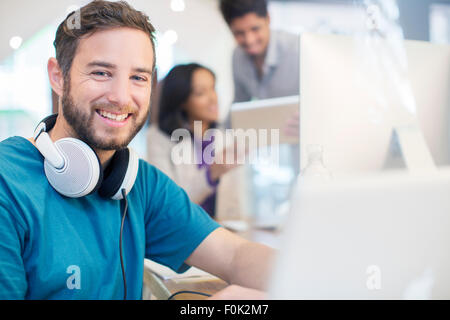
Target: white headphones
74	170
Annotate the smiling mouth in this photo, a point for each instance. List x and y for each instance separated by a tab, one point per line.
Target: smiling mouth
113	116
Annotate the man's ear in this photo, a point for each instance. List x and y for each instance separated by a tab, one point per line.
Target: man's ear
55	76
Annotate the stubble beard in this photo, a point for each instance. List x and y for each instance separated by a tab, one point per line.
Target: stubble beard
82	124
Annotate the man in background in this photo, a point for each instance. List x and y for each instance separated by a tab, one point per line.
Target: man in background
265	65
265	62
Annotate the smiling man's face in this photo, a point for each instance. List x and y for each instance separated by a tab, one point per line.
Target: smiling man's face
106	97
252	33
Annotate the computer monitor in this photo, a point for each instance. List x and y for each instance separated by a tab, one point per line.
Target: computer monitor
381	236
340	113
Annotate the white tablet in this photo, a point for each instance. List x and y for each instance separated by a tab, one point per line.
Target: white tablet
266	114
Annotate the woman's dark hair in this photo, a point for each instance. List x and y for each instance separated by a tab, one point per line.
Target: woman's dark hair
175	91
232	9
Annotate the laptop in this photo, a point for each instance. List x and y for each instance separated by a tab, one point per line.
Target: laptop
381	236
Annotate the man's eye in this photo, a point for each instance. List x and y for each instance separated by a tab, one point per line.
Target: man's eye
238	33
139	78
199	93
100	73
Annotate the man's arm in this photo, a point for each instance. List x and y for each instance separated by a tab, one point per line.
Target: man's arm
234	259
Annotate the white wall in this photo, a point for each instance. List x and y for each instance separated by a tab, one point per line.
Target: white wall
26	17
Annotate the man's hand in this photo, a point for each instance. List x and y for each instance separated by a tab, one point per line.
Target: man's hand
235	292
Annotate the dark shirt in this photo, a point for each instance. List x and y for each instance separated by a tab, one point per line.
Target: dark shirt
209	204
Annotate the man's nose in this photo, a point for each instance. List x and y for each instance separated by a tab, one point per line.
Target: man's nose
249	39
120	93
213	97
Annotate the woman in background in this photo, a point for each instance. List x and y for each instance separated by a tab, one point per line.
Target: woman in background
187	94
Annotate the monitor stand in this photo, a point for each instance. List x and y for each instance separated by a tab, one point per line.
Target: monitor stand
409	149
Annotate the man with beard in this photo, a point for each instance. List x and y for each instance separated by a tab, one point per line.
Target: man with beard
265	62
61	247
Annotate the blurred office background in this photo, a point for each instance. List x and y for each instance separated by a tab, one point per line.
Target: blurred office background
188	31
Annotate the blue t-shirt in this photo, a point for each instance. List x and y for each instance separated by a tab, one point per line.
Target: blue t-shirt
54	247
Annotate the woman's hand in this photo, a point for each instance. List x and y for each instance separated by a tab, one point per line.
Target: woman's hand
292	125
226	160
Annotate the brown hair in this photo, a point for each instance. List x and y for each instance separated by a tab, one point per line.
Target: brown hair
232	9
97	15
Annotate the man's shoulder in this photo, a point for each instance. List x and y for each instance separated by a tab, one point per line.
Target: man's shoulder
287	41
21	176
238	52
14	152
153	185
239	58
8	144
150	175
146	169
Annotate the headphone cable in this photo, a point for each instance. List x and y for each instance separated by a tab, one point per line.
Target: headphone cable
124	194
188	292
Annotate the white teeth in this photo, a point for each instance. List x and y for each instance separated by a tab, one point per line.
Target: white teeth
114	117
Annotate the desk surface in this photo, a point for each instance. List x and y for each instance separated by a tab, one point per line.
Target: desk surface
210	285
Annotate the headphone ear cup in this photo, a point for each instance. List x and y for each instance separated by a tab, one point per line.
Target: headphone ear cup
120	174
81	174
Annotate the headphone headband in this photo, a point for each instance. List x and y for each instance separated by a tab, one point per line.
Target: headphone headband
45	145
45	125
